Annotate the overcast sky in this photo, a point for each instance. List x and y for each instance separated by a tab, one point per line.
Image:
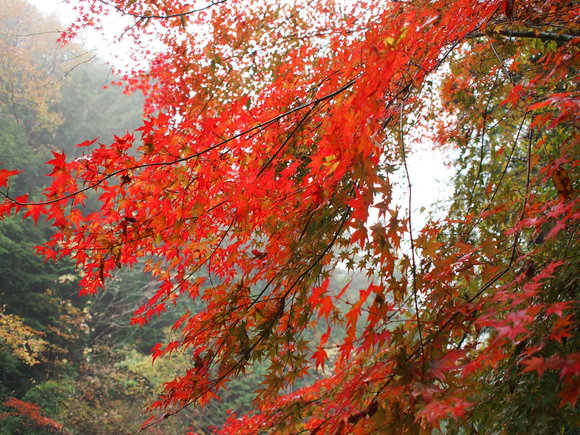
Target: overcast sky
107	48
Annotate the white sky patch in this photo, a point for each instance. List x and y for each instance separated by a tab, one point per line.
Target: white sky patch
105	44
56	8
430	184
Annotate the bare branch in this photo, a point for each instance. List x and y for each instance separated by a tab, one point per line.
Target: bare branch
551	36
147	16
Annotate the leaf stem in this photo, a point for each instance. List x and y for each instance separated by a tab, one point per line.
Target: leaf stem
413	264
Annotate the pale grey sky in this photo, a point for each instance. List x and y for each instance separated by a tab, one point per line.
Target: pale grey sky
107	47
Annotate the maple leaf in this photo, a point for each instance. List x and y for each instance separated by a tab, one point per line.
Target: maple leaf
569	365
537	364
320	356
35	211
445	364
570	392
558	226
87	143
58	162
562	328
436	410
5	174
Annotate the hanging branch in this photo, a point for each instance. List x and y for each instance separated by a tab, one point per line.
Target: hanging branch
410	203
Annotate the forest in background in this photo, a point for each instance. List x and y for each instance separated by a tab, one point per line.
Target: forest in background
75	358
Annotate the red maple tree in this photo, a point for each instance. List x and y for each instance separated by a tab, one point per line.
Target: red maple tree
33	414
266	159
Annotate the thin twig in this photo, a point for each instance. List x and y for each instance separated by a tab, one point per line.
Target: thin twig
147	16
413	264
79	64
290	136
558	37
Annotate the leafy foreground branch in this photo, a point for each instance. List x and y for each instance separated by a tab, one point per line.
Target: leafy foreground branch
267	159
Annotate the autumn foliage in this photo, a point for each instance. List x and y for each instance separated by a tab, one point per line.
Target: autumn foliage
33	414
273	139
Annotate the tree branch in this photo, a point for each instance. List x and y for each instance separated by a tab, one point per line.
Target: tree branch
551	36
147	16
413	264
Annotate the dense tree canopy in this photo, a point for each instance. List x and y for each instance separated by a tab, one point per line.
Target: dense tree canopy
274	135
